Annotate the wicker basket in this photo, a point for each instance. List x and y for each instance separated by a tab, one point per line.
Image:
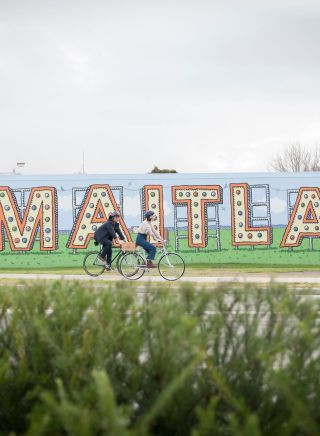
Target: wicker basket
128	246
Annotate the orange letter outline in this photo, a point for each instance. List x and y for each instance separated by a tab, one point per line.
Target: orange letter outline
152	199
300	225
242	233
41	210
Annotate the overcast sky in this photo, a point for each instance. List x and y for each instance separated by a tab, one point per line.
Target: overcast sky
193	85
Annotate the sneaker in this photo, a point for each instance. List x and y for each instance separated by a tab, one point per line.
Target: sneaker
108	267
150	264
101	259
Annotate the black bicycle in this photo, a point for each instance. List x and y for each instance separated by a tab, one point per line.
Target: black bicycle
94	267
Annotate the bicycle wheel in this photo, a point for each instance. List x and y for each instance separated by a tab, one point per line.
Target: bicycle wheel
118	262
171	266
92	265
132	266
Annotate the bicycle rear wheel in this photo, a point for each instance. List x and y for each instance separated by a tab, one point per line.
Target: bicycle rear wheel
92	265
132	266
171	266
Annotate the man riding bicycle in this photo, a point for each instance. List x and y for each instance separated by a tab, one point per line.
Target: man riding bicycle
105	235
147	229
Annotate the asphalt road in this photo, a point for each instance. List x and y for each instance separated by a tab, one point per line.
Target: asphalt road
289	278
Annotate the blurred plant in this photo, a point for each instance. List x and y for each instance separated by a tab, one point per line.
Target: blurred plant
81	360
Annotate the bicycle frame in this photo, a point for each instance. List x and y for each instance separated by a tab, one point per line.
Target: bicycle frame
134	264
119	253
162	252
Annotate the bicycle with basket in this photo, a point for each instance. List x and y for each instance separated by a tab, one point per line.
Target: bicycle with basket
131	263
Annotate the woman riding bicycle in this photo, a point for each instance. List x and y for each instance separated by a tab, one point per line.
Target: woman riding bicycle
147	229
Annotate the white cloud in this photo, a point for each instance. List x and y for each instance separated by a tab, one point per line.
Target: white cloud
132	206
65	202
277	205
166	208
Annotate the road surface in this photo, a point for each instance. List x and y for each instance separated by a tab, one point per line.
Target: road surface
289	278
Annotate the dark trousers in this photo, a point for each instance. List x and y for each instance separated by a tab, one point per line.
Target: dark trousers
150	249
106	249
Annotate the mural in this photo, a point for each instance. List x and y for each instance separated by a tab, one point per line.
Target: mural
217	218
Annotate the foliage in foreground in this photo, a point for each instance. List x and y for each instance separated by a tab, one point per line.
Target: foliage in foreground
92	361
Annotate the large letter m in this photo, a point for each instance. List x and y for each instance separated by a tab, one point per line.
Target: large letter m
21	228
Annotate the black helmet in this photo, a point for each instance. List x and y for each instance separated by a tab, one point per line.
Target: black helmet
148	214
113	214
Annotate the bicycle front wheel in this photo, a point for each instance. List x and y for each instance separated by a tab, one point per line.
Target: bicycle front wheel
92	265
132	266
118	262
171	266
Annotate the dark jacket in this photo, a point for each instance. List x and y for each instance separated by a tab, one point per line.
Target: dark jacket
108	230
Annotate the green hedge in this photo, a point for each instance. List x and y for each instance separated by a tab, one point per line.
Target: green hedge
82	360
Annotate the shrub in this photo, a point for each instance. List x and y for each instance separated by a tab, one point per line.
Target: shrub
82	360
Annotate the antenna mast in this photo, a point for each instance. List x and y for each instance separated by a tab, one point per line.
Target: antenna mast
83	169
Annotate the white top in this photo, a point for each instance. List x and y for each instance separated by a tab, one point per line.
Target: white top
147	228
